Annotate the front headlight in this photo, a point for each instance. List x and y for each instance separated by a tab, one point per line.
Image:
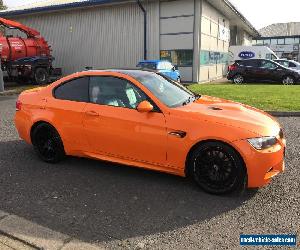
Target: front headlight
263	142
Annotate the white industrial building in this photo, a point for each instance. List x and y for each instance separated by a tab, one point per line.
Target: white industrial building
193	34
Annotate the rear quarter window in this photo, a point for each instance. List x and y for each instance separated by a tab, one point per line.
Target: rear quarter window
74	90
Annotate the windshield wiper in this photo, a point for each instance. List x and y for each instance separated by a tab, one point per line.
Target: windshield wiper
196	96
187	101
192	98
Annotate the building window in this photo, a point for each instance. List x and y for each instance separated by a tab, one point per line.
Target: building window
289	40
280	41
274	41
260	42
180	58
267	41
297	40
254	42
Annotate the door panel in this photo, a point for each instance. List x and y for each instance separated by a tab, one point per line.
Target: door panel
66	112
68	120
126	133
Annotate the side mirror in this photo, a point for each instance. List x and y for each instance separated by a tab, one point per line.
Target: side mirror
144	107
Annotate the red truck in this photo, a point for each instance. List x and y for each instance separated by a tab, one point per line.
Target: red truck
26	59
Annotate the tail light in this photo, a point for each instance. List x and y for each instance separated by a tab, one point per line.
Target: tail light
18	105
232	67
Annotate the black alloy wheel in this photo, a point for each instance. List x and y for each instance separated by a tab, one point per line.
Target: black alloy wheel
47	143
288	80
238	79
217	168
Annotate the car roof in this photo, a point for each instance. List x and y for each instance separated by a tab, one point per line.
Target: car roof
152	61
286	60
130	72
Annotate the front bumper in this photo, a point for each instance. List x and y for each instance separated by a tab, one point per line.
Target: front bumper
262	165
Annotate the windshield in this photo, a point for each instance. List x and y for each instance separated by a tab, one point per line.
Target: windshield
167	91
147	65
283	63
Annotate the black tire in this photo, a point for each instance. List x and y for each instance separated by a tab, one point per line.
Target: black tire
238	79
288	80
41	76
47	143
217	168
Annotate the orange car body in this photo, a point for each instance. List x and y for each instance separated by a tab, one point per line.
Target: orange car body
149	140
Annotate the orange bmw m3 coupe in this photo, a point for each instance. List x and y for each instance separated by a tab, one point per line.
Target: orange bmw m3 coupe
143	119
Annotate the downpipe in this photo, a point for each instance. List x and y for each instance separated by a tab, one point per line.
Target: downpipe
145	27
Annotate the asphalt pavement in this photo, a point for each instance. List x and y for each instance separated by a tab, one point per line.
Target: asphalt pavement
118	207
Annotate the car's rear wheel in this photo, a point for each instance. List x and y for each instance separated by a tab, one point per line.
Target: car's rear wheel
217	168
47	143
238	79
288	80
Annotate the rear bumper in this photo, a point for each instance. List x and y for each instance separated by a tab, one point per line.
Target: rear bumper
262	165
22	126
229	76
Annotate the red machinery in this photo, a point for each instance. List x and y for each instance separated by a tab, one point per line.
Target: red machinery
26	58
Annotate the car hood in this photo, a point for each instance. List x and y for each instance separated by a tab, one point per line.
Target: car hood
232	114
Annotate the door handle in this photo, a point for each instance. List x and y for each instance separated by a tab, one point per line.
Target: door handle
92	113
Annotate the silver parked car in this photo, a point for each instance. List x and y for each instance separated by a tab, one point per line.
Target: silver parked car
288	63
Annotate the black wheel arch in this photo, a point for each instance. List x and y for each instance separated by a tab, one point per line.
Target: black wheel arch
199	143
37	123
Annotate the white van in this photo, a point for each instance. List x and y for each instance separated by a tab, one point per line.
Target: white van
250	52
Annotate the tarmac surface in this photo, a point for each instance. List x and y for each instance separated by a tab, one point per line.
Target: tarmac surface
87	204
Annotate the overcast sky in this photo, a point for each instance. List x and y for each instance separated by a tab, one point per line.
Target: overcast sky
259	12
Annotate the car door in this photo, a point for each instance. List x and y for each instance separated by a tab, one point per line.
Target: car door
268	71
251	69
114	127
65	111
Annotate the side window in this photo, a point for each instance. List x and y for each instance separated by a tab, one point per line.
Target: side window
268	64
74	90
112	91
250	63
283	63
292	65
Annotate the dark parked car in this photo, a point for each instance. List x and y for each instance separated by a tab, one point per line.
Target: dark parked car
261	70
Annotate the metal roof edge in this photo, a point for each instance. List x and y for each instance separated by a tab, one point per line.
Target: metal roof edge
244	19
57	7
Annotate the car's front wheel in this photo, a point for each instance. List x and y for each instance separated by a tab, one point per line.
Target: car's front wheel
47	143
288	80
238	79
217	168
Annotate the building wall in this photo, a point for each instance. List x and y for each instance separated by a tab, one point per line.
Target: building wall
177	34
100	37
214	45
191	33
